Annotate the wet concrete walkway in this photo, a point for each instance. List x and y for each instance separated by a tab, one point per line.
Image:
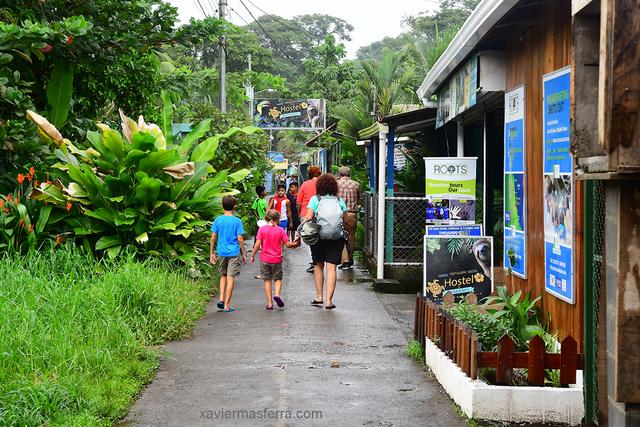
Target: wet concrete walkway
299	366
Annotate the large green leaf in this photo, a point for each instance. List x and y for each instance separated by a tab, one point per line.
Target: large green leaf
206	150
147	190
239	175
59	91
196	133
43	218
167	117
107	242
107	215
159	160
114	143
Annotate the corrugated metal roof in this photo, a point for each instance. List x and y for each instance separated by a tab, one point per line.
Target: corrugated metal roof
477	25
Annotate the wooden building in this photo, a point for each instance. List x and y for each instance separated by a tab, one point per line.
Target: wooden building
516	43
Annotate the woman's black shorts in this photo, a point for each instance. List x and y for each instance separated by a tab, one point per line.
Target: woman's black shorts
328	251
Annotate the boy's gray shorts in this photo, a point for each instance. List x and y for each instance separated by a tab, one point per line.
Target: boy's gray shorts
270	271
230	265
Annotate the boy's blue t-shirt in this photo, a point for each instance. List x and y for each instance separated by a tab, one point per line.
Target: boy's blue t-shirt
227	228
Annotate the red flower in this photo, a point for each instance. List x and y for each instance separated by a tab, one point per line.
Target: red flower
1	203
69	40
48	48
15	202
9	197
59	239
37	183
69	206
20	178
21	223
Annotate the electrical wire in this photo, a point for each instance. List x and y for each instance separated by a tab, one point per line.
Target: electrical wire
279	20
271	38
202	9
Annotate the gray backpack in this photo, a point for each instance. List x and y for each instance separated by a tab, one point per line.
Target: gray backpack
329	217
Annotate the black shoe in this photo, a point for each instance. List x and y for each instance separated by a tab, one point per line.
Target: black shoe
310	269
346	266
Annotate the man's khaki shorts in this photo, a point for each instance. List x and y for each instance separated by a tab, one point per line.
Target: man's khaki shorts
230	265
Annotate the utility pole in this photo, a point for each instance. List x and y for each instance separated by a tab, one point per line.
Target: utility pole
223	61
249	88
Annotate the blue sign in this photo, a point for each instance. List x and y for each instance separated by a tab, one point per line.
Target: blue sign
454	230
276	156
515	192
556	121
559	271
514	243
557	184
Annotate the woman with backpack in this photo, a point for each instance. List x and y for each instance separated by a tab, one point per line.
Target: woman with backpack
327	209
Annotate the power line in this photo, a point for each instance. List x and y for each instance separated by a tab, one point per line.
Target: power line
272	40
277	19
202	9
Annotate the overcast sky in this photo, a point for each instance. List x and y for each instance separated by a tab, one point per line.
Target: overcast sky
372	19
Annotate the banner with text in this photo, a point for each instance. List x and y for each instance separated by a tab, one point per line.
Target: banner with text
305	114
450	187
558	185
458	265
515	192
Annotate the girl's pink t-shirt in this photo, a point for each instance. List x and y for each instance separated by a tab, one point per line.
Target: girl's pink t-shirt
272	237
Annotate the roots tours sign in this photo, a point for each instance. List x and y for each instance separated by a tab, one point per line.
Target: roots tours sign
450	184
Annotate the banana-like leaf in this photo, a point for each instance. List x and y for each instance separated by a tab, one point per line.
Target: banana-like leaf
181	170
182	232
159	160
167	117
43	218
107	242
114	143
196	133
113	251
107	215
59	91
147	190
238	176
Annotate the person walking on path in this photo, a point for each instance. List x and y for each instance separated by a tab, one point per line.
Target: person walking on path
306	192
349	191
227	230
269	241
295	215
259	206
280	202
328	210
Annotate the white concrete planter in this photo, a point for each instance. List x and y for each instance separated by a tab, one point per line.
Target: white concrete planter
503	403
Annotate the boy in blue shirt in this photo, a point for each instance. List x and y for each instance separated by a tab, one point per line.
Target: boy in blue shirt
228	230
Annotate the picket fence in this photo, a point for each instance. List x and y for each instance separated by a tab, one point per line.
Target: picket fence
459	342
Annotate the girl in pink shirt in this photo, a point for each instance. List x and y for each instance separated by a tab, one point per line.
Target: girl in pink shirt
269	240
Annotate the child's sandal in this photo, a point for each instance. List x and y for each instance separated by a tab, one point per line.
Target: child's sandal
269	307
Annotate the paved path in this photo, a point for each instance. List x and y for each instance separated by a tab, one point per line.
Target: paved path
348	363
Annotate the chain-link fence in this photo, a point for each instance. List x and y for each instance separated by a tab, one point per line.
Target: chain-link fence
404	227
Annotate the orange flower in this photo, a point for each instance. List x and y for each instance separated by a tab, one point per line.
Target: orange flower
69	206
59	239
21	223
1	203
37	183
32	171
9	197
31	228
16	201
20	178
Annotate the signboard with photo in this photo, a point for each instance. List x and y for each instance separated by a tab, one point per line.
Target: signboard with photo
278	160
450	187
458	265
515	225
305	114
558	202
458	93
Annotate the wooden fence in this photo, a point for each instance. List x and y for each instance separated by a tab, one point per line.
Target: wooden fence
460	343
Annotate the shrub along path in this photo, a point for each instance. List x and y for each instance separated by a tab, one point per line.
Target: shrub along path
348	363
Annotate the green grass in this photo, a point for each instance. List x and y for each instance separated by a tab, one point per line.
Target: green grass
415	351
79	336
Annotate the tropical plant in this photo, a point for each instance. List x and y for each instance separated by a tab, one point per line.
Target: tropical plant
138	190
488	328
522	316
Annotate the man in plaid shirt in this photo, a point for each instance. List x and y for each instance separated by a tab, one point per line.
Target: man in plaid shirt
349	191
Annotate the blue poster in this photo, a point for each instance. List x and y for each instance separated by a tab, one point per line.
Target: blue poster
556	121
558	191
514	243
515	191
454	230
514	146
559	271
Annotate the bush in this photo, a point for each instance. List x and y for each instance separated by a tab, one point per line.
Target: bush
76	333
488	328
